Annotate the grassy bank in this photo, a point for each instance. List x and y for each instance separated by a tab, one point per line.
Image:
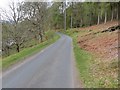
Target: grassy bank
12	59
91	72
83	61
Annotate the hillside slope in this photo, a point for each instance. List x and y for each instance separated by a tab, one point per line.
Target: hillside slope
102	42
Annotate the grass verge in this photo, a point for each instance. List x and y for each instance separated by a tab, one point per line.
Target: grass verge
83	60
93	74
12	59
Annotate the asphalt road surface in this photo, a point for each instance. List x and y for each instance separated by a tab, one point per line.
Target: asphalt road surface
50	68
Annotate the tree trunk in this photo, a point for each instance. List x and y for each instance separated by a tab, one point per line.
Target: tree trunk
72	15
117	10
71	20
105	17
112	15
64	15
101	17
98	19
81	22
117	15
8	52
18	48
41	37
90	20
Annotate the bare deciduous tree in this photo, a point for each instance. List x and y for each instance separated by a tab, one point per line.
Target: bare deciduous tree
17	30
35	13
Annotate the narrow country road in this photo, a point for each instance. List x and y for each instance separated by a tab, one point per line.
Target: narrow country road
50	68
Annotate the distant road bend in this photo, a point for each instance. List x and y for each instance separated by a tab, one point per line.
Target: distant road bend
53	67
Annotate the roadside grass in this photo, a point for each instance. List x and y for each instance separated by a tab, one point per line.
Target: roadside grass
93	72
12	59
83	63
83	60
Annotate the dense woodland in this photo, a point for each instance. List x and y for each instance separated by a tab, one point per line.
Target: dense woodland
30	21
